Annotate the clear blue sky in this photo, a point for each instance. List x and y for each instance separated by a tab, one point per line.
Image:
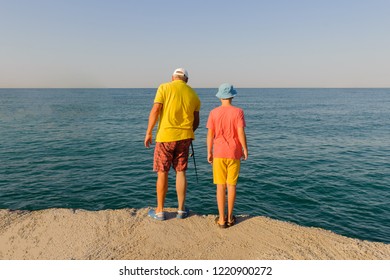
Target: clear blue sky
119	43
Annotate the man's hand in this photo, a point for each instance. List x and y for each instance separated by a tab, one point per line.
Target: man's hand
148	140
153	117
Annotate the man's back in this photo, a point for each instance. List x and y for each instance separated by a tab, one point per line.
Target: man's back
179	102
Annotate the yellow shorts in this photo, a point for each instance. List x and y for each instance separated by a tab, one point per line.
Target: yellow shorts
226	170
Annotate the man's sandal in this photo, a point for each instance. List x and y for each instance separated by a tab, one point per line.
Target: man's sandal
158	216
182	214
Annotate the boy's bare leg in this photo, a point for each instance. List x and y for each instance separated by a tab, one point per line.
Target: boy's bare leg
161	188
221	199
181	188
231	200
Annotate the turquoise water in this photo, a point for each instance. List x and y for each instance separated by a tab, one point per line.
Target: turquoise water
317	157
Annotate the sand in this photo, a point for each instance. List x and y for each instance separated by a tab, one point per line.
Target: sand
129	234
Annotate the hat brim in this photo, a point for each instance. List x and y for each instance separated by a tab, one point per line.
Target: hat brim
223	95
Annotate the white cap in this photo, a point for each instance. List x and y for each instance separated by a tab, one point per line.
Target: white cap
180	72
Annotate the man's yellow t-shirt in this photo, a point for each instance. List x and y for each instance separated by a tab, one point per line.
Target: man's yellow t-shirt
179	102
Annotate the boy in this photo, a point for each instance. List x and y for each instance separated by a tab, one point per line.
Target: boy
226	145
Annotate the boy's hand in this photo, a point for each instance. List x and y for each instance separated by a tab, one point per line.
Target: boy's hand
245	154
210	158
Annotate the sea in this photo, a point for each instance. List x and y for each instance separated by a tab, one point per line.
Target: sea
317	157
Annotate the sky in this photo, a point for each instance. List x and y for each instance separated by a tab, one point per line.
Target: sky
248	43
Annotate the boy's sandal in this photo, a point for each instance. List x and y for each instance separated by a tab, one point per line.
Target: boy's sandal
232	222
220	225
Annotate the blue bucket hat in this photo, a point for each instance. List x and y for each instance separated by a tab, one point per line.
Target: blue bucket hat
226	91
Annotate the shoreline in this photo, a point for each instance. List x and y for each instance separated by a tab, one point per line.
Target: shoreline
129	234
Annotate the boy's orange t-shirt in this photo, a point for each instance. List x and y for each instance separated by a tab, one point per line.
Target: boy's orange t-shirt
225	121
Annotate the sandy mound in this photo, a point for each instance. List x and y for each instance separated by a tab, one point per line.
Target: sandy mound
130	234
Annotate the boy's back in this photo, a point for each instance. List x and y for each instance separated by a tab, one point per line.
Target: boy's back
225	121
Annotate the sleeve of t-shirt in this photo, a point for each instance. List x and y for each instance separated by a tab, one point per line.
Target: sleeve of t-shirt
159	98
241	119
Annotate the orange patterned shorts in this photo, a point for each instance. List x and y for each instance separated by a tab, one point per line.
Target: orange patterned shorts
171	153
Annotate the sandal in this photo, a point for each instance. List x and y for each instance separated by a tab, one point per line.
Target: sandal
232	222
219	225
158	216
182	214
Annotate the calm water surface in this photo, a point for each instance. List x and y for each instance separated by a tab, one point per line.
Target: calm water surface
317	157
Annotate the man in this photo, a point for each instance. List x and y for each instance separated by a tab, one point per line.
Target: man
176	108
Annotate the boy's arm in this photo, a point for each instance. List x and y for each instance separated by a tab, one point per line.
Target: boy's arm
242	139
210	138
153	118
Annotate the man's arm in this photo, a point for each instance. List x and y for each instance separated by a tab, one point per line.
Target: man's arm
195	125
153	118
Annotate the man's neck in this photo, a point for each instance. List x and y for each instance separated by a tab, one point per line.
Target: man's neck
177	79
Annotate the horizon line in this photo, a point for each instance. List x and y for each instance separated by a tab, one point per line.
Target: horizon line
195	87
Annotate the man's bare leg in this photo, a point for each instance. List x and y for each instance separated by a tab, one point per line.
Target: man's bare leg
161	188
181	189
